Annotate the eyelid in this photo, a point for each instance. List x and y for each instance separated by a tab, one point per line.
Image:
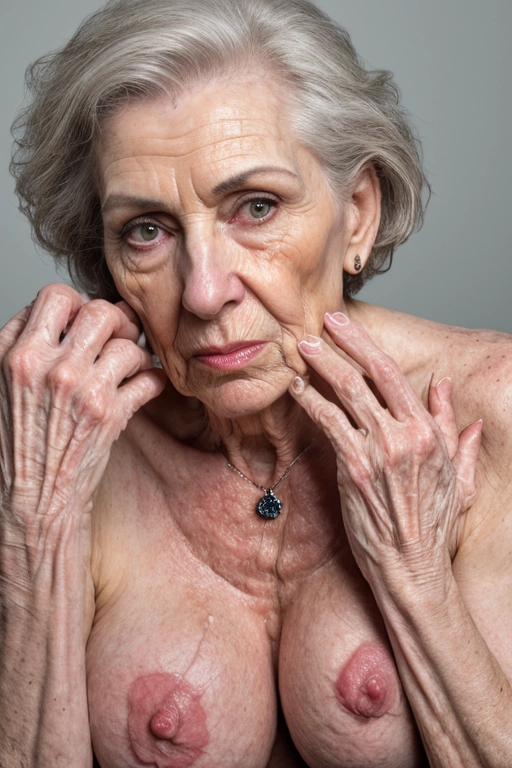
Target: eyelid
250	197
144	219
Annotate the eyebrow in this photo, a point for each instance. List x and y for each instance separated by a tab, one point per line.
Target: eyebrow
122	201
240	178
149	204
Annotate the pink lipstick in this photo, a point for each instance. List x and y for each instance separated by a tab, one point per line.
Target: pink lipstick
232	356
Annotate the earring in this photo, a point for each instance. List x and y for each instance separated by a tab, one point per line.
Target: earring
357	263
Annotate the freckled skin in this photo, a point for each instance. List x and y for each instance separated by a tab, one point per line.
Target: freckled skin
166	721
366	684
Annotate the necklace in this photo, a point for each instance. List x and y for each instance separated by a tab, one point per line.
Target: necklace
269	506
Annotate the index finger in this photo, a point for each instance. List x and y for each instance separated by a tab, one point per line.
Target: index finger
97	322
13	329
400	398
55	307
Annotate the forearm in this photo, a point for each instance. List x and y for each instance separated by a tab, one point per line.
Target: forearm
71	377
460	696
43	699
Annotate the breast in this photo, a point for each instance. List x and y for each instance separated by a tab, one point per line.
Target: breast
367	684
183	669
338	683
166	723
181	677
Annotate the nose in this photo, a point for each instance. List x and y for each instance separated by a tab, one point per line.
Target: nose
210	282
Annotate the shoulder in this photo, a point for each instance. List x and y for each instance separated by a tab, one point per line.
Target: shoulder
478	361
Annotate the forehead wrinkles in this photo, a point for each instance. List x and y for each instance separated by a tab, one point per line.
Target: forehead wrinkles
127	141
202	156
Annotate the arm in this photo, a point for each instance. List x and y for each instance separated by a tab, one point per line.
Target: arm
406	481
63	361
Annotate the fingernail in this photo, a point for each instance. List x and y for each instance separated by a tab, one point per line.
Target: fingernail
337	318
445	385
310	345
298	385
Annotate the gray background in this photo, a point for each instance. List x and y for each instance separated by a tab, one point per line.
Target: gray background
453	62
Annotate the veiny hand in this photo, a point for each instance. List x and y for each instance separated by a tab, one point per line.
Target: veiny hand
405	474
71	377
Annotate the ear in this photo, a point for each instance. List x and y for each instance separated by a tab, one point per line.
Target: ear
363	219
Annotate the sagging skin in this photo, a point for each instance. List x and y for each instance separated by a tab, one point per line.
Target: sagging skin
198	633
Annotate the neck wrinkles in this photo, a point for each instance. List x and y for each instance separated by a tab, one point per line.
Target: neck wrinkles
263	445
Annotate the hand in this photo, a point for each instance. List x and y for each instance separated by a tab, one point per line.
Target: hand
405	474
72	375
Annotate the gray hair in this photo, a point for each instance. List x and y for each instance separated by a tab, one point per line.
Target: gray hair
348	116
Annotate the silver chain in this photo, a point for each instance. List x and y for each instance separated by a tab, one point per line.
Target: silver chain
285	473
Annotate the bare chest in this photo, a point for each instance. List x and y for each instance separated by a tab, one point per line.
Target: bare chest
206	628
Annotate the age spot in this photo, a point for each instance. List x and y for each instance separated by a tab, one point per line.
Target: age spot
166	721
367	684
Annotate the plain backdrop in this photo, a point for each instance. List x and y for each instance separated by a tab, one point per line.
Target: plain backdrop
453	62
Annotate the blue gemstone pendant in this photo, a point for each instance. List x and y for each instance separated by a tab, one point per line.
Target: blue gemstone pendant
269	506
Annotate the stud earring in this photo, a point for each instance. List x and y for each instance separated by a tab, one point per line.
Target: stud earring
357	263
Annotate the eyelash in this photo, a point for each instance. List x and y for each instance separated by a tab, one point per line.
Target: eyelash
132	225
257	198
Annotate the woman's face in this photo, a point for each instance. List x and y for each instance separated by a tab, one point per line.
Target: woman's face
222	233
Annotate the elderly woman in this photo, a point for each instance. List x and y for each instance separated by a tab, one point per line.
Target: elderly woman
280	545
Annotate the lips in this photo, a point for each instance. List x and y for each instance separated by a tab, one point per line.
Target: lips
231	356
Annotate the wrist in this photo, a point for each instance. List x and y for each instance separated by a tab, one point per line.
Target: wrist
412	578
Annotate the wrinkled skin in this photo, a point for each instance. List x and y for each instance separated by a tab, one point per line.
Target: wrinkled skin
332	635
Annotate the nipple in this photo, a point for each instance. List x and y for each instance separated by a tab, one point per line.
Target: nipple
164	724
367	683
166	721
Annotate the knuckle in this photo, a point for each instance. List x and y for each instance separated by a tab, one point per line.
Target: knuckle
360	473
385	369
327	413
94	405
53	290
99	310
350	382
395	454
57	293
123	348
64	377
424	440
20	363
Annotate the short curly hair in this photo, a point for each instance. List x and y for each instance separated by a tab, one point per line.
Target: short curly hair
348	116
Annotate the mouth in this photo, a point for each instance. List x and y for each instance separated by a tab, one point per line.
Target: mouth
231	356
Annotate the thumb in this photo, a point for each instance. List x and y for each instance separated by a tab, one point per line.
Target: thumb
466	457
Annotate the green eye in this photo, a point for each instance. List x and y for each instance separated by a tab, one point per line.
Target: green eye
148	232
259	208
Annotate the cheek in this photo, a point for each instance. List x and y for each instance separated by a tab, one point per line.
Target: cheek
157	303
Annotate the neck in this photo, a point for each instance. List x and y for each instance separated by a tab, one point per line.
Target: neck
263	445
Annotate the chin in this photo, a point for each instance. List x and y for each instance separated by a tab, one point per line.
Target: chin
240	398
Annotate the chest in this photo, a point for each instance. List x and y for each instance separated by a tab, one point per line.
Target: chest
186	668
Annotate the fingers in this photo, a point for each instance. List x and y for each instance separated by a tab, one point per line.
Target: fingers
54	308
440	407
326	415
466	457
396	391
120	359
61	315
12	330
97	322
350	387
91	396
462	449
142	388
